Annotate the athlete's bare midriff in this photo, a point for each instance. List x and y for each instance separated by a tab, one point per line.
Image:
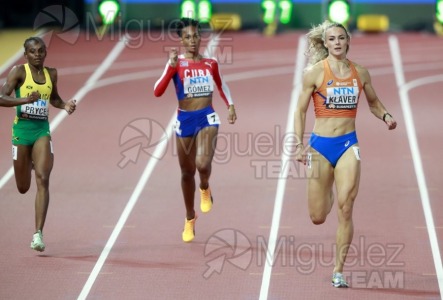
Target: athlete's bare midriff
191	104
333	126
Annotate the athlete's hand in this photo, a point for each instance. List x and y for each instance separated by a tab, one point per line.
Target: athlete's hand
34	96
173	57
70	106
232	117
389	120
300	153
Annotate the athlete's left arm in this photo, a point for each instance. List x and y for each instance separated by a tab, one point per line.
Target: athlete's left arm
55	98
375	105
224	92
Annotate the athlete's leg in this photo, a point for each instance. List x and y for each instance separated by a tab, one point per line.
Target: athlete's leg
22	167
347	178
186	150
320	195
43	159
206	144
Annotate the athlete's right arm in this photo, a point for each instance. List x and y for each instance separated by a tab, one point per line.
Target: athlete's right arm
170	70
15	78
308	87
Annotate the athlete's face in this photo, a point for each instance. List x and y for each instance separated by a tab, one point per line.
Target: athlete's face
35	53
191	39
336	40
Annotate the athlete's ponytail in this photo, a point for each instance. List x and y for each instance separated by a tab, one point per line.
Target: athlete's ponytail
317	50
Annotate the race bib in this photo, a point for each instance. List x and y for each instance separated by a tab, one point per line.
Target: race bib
309	160
198	86
356	152
38	110
342	97
14	152
177	127
213	119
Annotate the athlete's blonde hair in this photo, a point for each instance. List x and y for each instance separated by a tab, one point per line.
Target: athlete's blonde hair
316	41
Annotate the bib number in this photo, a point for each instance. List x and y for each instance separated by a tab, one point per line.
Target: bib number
14	152
213	119
309	160
177	127
356	152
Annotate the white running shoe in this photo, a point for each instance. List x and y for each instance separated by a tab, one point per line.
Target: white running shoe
37	242
338	281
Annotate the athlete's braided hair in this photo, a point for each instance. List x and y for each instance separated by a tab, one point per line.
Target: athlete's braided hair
185	22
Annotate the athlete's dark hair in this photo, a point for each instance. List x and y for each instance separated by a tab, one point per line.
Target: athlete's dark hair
185	22
34	39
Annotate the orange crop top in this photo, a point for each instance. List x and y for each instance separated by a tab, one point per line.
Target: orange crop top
337	97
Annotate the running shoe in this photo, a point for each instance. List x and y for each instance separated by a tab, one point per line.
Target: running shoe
206	200
338	281
37	241
189	230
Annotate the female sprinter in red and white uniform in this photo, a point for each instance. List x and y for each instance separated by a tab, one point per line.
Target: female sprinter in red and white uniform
335	85
197	123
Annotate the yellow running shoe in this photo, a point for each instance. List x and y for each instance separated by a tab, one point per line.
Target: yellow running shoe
189	231
206	200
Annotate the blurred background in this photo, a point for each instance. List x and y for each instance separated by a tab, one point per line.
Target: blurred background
269	16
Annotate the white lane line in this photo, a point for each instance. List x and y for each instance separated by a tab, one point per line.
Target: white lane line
89	85
159	150
8	64
296	89
152	162
416	157
13	59
423	81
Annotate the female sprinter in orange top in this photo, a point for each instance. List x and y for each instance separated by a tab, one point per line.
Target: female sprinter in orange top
197	123
335	85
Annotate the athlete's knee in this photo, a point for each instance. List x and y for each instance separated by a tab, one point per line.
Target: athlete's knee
187	174
204	168
319	208
203	165
318	218
42	179
23	188
346	213
345	209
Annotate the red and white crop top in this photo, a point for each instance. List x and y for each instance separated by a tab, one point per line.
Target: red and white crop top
194	79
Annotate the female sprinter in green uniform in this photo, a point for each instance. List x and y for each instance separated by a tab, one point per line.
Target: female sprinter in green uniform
35	86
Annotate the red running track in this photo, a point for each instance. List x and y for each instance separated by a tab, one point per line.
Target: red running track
93	181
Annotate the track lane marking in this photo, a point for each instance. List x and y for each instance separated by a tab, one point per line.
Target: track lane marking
150	166
20	52
152	161
279	197
404	88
